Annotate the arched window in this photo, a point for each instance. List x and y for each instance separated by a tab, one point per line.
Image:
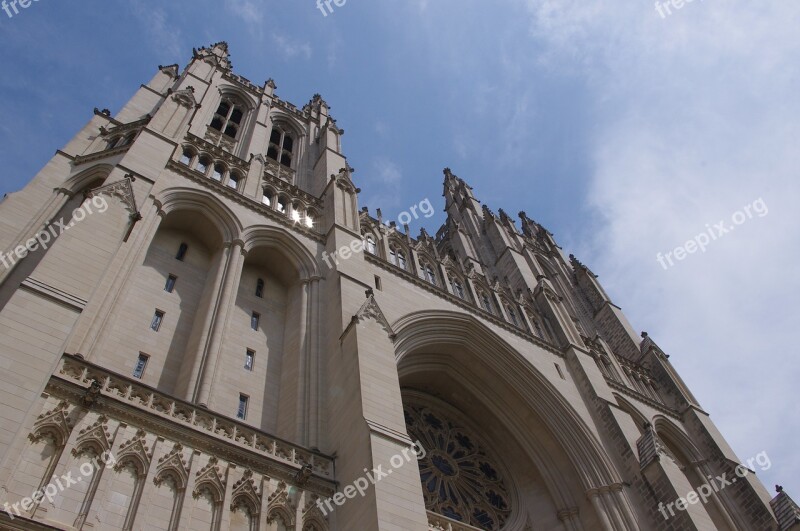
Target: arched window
187	156
397	257
233	180
203	164
370	245
512	315
267	198
260	288
486	302
296	208
430	276
228	117
309	219
282	205
281	146
219	171
458	288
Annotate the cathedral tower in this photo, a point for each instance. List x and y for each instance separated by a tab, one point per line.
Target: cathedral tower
201	329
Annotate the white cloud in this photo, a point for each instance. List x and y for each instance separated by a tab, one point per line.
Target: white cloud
292	48
250	12
697	117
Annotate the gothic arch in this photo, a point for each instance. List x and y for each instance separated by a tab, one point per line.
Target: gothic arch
80	181
187	199
672	435
285	243
421	334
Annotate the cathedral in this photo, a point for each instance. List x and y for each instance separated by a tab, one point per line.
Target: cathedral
202	329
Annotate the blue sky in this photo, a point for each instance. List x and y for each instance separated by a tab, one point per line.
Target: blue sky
623	132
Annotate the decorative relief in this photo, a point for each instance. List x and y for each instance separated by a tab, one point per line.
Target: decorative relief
281	506
173	464
246	494
371	310
54	423
209	476
123	190
136	449
459	479
95	436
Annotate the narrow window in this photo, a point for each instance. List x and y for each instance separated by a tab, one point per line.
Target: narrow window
170	285
233	181
255	318
378	284
241	413
187	156
430	276
560	373
219	171
203	164
260	288
486	302
512	316
182	252
392	256
458	289
401	260
371	247
141	364
158	318
249	359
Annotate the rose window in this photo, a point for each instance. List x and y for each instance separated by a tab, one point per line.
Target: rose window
459	480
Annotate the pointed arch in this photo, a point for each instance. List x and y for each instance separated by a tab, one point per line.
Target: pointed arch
416	333
200	201
80	181
282	241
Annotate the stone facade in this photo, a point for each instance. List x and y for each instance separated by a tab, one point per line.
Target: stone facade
190	354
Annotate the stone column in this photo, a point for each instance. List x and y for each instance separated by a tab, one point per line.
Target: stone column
219	314
599	509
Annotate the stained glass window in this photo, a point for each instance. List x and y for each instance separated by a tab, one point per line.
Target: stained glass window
459	479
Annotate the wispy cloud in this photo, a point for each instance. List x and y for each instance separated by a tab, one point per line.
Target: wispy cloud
692	125
162	35
290	48
250	12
